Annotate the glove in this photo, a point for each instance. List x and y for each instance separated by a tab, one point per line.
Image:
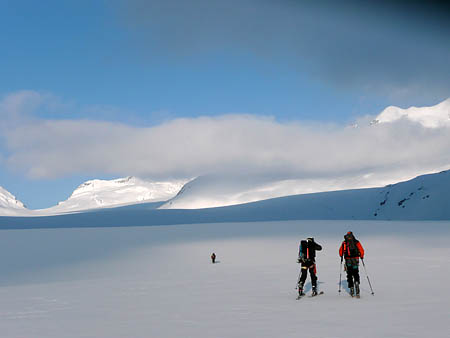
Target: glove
299	260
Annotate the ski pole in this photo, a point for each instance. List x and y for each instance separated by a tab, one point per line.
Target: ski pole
340	276
298	279
364	265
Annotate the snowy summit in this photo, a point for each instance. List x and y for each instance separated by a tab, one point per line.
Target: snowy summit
107	193
429	117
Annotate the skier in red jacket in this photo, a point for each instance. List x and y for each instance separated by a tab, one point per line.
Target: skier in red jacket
351	250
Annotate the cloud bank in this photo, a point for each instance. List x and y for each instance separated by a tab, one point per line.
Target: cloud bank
229	144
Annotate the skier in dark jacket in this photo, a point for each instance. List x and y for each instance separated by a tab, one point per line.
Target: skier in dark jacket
307	258
351	250
213	257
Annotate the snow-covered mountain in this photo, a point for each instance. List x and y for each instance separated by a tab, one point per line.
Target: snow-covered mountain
426	197
10	205
430	117
221	190
211	191
96	194
108	193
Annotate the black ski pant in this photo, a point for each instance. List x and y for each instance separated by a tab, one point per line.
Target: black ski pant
312	272
352	269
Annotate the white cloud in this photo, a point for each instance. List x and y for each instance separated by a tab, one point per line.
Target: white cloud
14	106
236	144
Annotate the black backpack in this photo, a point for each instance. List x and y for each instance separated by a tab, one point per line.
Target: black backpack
351	250
303	248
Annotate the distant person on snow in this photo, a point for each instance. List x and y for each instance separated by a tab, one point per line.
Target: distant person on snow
351	250
307	258
213	257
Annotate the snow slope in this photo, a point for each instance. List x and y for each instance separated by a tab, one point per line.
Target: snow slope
423	198
221	190
9	204
430	117
159	282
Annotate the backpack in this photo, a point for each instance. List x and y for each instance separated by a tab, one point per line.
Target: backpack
303	249
351	250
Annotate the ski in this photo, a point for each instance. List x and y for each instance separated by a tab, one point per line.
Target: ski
310	296
318	294
301	296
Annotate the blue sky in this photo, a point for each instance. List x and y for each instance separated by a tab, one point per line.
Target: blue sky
84	53
141	64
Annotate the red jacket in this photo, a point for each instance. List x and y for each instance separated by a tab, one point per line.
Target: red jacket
343	248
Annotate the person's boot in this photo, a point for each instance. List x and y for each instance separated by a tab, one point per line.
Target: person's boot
357	289
352	291
314	291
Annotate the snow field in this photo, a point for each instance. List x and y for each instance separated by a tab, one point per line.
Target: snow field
159	281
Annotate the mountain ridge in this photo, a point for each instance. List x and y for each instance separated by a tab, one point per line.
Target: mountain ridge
426	197
97	193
